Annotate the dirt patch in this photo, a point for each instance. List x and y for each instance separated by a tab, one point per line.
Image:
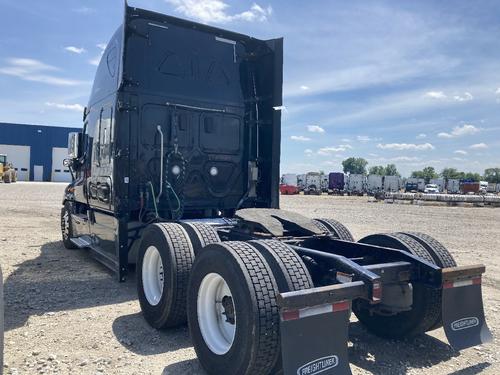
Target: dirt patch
65	313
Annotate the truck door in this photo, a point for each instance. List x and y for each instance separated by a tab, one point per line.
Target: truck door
100	181
103	223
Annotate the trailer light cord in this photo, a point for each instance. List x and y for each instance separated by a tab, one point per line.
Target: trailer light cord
169	186
154	200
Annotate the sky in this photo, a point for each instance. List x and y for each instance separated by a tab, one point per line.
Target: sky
413	83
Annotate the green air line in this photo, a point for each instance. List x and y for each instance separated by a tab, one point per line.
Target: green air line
154	199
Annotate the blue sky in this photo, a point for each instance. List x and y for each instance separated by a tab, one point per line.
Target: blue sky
413	83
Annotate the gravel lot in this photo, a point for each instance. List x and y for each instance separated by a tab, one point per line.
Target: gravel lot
65	313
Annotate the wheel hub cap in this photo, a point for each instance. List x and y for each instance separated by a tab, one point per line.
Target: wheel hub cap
152	275
216	313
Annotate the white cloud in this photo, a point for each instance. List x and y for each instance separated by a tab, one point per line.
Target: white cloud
71	107
461	152
459	131
308	152
35	71
405	158
216	11
76	50
464	98
325	151
479	146
435	95
346	140
497	91
406	146
303	87
101	46
365	138
299	138
440	95
445	135
315	129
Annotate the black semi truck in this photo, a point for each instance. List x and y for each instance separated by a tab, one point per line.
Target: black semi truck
177	171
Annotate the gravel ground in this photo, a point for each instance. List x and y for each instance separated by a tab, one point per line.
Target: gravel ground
65	313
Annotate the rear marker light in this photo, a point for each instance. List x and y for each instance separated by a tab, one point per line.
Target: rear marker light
316	310
457	284
377	292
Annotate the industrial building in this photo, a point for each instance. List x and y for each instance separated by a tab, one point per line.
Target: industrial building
36	151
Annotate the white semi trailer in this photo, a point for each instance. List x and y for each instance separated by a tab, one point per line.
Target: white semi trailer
453	186
392	183
312	183
356	184
374	184
440	182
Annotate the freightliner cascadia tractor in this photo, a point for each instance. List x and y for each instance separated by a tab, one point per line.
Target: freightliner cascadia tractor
177	171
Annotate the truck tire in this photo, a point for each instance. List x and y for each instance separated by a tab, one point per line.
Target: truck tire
334	227
288	270
426	307
287	267
164	262
67	226
232	313
201	235
439	253
442	257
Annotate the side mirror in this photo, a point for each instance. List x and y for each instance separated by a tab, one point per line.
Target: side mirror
73	145
85	113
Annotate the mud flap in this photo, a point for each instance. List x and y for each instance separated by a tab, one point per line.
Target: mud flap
314	340
314	329
463	314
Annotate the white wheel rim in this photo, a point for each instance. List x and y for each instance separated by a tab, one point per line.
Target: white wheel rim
152	275
215	328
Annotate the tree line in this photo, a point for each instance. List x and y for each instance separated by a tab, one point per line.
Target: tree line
354	165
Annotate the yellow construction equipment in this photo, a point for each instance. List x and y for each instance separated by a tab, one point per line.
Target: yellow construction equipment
7	172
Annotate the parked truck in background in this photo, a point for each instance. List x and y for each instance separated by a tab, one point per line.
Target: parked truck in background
470	187
418	182
392	183
492	187
374	184
324	183
313	184
177	171
483	187
288	185
7	171
439	182
356	184
336	183
453	186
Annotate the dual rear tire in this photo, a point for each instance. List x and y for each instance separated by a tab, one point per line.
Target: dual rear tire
233	316
425	312
227	294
